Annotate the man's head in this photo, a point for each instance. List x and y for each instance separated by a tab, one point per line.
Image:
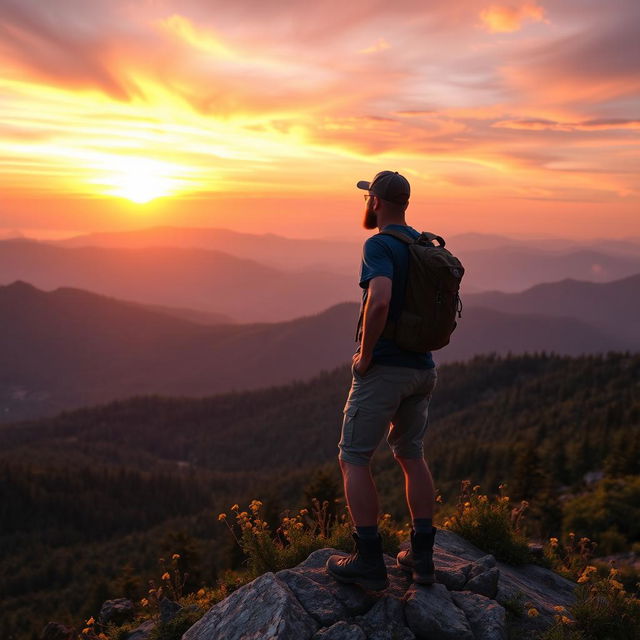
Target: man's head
388	198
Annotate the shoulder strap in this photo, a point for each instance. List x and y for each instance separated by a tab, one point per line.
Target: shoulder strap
424	238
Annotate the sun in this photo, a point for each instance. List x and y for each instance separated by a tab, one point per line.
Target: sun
140	180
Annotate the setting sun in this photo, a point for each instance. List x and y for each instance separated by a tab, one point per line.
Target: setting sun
140	180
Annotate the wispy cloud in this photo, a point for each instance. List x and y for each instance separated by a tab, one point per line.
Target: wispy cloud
509	18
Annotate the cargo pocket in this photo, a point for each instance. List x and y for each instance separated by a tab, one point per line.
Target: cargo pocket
348	425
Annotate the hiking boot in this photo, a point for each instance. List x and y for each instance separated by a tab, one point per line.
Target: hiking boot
364	567
418	560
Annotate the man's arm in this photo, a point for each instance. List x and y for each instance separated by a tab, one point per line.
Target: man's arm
373	321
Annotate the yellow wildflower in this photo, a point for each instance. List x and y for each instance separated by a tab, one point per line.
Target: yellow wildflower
175	556
616	585
235	507
222	516
91	620
558	607
86	630
566	620
533	612
166	576
201	592
476	488
553	542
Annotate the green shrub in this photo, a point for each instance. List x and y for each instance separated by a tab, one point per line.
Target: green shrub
493	526
298	536
603	611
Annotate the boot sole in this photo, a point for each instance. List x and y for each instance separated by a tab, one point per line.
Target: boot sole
417	578
365	583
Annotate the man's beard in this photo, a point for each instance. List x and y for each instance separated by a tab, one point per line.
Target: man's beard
370	218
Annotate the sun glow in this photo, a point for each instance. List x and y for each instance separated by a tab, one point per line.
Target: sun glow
141	180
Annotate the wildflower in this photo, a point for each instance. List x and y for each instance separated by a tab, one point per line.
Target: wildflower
299	525
476	488
439	499
235	507
144	602
553	542
175	556
566	620
558	607
533	612
86	630
166	576
616	585
304	512
91	621
201	592
222	516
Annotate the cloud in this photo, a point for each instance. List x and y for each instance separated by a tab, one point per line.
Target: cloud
379	45
509	18
586	125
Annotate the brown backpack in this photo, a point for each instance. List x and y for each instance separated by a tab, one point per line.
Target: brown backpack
432	300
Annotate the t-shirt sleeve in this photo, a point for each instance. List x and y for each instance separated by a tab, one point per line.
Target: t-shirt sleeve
377	260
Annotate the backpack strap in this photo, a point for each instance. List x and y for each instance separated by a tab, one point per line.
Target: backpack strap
424	238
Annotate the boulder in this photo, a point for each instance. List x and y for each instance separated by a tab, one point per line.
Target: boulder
432	614
486	617
116	611
485	583
56	631
265	609
142	632
386	620
340	631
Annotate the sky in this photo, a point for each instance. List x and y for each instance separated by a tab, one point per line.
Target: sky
261	115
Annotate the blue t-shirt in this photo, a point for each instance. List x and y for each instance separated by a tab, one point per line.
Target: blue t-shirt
384	255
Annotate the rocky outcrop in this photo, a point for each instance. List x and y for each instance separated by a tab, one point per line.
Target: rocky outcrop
468	602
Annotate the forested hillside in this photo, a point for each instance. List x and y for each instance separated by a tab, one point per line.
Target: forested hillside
90	499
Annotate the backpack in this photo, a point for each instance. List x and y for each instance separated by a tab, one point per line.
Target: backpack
432	300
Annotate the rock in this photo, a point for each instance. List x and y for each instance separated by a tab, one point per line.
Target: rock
168	609
56	631
385	620
481	565
340	631
486	583
142	632
265	609
116	611
431	614
530	586
486	617
317	600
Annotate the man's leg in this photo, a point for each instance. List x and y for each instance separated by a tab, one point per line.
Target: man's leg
361	494
419	488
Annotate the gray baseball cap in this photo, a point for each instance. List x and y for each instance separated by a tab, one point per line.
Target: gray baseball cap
388	185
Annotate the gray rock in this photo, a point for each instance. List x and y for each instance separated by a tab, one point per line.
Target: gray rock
481	565
56	631
265	609
142	632
385	620
432	615
168	609
116	611
486	583
486	617
317	600
340	631
533	587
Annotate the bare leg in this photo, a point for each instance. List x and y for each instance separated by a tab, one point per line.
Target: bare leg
418	487
361	494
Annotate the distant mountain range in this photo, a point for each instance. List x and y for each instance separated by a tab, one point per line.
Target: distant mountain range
68	347
200	279
268	278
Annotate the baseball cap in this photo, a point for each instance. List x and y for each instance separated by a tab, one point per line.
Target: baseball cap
388	185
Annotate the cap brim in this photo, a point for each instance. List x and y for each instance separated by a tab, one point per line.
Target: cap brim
363	184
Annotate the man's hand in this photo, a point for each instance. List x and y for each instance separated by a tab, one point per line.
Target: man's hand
360	364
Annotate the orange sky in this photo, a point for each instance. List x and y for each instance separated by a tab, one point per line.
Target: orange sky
514	117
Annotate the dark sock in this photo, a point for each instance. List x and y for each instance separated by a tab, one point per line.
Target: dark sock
422	525
367	533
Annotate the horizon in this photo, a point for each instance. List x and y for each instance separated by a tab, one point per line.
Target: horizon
511	118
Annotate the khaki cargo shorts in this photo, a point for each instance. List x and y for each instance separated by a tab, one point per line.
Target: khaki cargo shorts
386	398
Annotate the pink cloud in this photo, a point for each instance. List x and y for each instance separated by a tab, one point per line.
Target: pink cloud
509	18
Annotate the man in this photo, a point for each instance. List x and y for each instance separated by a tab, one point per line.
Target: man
390	386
